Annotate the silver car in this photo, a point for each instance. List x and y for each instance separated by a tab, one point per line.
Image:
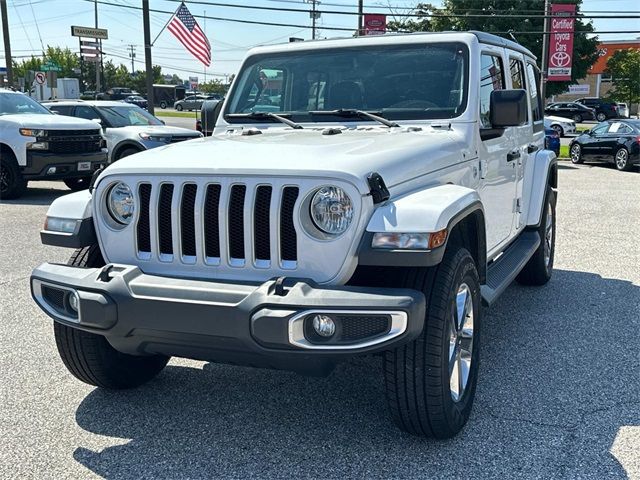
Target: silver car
623	110
191	102
128	128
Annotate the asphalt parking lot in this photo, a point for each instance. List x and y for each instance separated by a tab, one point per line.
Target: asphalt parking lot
558	396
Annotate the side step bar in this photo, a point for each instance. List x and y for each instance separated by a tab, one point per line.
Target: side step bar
501	272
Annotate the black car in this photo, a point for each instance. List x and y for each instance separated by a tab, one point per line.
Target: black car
615	142
136	100
604	109
575	111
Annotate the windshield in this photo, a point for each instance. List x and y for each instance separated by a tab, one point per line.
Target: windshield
12	103
127	115
399	82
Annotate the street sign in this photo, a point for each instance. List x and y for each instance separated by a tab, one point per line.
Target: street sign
51	66
561	42
40	78
89	32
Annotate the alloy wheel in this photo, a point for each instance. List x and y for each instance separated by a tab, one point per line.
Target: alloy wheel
575	153
548	236
622	157
460	342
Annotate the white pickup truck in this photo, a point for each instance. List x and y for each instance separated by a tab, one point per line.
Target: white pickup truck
35	144
358	196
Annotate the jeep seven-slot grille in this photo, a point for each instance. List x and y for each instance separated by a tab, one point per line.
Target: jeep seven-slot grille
248	223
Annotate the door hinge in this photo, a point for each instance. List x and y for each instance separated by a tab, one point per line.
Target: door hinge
518	206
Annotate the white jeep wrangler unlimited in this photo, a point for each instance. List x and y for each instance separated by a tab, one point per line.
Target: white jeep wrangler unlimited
358	196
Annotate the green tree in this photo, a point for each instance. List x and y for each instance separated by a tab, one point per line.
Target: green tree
624	67
213	86
68	61
432	19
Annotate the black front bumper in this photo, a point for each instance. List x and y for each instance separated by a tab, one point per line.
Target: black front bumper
256	325
66	165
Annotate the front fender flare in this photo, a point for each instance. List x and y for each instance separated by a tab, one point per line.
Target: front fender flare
427	211
74	206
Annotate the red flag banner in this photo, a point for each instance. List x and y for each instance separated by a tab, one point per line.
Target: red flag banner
561	42
375	24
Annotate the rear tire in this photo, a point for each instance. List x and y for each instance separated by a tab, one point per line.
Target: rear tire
425	379
179	107
539	268
577	118
622	160
77	184
576	153
601	117
12	183
163	105
558	129
90	357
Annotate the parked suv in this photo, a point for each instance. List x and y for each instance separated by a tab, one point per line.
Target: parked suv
378	224
128	128
604	109
35	144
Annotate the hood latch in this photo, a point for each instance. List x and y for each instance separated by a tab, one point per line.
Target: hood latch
377	188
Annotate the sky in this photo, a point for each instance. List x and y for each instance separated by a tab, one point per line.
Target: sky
34	24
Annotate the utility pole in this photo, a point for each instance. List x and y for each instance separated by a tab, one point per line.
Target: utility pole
132	54
7	43
315	15
147	55
100	48
545	51
360	17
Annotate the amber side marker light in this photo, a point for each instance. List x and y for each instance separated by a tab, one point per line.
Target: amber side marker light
437	239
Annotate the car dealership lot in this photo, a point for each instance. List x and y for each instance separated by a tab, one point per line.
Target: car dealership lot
559	395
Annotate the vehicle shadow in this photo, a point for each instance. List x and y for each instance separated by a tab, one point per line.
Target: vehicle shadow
559	381
38	196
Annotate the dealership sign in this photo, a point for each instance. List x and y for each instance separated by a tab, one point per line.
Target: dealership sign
375	24
579	89
561	44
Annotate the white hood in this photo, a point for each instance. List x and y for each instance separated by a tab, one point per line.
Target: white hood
396	154
53	122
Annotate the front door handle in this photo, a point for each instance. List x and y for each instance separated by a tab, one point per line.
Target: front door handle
532	148
511	156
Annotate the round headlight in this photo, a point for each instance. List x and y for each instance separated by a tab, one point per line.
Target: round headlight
331	210
120	203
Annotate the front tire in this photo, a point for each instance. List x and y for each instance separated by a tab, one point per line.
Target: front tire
163	105
12	184
558	129
431	381
539	268
601	117
90	357
576	153
179	107
622	161
126	152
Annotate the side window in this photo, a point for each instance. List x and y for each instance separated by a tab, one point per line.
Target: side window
619	128
600	129
61	109
86	112
517	73
533	75
491	78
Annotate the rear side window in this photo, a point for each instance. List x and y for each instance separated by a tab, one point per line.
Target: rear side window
84	111
533	75
61	109
491	78
517	73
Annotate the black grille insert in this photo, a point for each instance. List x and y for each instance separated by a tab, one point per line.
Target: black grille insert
143	227
261	223
236	221
164	219
359	327
187	220
288	237
54	296
211	226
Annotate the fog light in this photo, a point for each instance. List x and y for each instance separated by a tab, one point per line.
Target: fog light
74	301
324	325
51	170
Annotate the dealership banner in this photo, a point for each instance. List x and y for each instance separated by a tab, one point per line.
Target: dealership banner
375	24
561	42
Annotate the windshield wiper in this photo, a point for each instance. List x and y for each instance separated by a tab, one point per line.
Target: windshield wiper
346	112
262	115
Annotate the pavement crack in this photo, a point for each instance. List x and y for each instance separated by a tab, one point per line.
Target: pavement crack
6	282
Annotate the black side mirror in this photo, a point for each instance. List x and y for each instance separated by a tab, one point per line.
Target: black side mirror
508	108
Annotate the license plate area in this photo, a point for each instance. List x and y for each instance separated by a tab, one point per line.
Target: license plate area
84	166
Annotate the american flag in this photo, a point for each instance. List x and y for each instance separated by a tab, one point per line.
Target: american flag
185	28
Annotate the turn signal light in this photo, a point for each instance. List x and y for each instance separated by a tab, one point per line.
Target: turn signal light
437	239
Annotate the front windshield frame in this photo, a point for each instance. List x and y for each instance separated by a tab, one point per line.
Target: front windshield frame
34	107
232	114
113	117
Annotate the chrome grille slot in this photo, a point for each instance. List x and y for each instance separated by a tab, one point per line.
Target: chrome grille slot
261	239
288	236
143	229
236	225
165	234
187	220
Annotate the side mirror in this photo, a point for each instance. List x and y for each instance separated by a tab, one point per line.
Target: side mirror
162	121
508	108
97	120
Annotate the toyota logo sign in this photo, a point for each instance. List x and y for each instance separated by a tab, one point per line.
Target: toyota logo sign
560	59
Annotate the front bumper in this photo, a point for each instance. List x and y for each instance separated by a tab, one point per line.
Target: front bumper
258	325
40	164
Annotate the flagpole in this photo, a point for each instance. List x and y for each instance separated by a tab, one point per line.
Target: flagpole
165	25
205	34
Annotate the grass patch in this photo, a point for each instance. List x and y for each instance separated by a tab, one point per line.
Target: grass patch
564	151
164	113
